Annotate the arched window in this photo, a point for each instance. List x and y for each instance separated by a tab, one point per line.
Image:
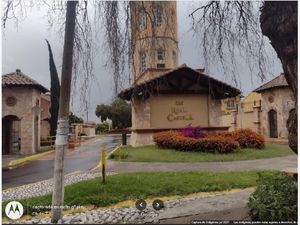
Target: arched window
158	17
160	54
142	19
143	65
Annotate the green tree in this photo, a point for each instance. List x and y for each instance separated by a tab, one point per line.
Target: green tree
102	127
55	90
74	119
119	112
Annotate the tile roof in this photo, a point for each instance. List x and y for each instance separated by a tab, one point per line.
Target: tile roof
278	81
142	82
20	79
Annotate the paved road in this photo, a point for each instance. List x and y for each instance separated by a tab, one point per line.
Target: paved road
83	158
279	163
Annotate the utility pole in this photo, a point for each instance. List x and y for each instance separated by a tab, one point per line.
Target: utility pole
63	113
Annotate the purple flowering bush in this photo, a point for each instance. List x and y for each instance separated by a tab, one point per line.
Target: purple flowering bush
192	132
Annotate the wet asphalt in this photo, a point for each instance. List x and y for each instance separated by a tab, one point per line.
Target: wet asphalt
83	158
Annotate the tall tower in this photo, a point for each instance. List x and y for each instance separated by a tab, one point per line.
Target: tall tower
154	36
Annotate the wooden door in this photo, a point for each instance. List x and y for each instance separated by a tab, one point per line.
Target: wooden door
273	128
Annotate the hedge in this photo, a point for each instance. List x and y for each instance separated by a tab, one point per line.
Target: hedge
245	137
176	140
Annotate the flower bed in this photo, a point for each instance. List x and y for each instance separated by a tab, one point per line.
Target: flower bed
176	140
186	140
245	137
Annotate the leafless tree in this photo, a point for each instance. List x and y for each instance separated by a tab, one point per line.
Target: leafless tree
238	27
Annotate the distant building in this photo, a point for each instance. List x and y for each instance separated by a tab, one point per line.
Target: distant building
265	110
277	101
25	109
84	129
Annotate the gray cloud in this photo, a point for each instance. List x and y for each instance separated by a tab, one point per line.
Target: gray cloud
24	47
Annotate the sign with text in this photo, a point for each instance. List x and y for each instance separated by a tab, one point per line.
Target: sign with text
174	111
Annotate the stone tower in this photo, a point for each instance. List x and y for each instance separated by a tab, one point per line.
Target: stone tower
154	37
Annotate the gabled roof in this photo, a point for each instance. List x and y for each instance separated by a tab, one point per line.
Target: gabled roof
216	87
278	81
20	79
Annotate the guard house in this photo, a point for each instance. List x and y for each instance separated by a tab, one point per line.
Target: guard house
174	99
277	100
164	95
21	113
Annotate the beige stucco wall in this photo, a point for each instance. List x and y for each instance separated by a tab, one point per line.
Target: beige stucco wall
140	139
89	130
227	120
282	104
153	113
214	112
257	118
140	114
245	120
177	111
26	99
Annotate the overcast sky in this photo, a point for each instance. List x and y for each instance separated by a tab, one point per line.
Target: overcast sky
24	47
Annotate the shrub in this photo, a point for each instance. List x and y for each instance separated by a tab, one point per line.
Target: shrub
275	198
248	138
193	132
122	155
245	137
176	140
102	127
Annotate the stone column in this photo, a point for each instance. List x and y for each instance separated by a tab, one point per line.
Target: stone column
256	119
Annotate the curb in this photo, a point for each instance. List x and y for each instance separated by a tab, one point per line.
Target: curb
40	181
19	162
100	163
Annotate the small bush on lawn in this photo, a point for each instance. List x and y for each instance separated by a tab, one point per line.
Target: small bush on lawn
245	137
275	198
176	140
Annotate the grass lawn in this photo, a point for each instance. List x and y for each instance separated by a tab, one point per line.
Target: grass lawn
155	154
134	186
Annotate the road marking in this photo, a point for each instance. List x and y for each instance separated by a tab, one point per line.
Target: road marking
100	164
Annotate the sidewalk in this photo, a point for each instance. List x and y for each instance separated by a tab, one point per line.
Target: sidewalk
226	205
279	163
281	141
230	206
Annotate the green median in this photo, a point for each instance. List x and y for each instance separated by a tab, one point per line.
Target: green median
154	154
133	186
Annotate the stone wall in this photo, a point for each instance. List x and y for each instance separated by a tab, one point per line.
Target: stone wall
281	100
140	113
140	116
26	99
